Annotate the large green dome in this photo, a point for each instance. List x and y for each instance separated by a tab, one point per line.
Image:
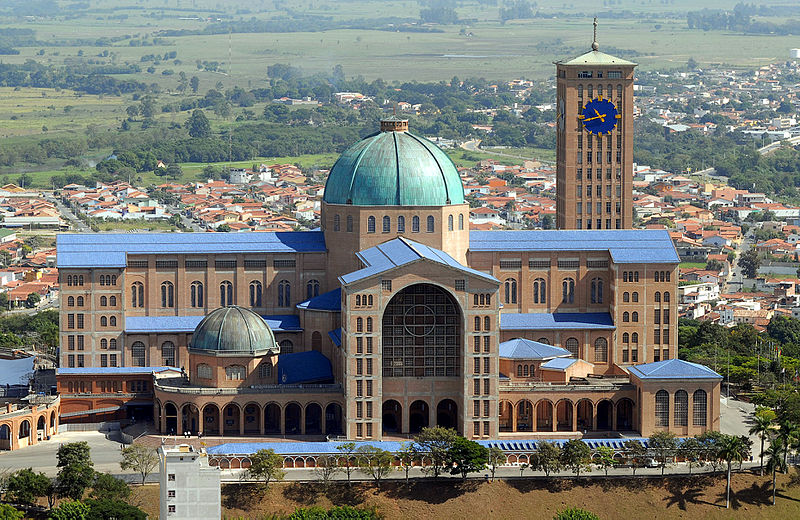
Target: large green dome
233	330
394	168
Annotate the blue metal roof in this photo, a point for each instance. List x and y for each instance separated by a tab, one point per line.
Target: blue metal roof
16	371
148	324
336	336
559	320
110	249
558	364
401	251
519	348
329	301
673	369
626	246
113	370
304	367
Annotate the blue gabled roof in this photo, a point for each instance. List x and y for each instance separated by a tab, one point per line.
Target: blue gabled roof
401	251
673	369
336	336
16	371
626	246
304	367
283	323
519	348
113	370
110	249
149	324
329	301
559	320
558	364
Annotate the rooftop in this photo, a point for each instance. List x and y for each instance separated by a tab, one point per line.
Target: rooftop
526	349
673	369
555	321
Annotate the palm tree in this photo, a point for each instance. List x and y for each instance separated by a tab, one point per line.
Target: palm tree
733	448
763	420
788	433
775	461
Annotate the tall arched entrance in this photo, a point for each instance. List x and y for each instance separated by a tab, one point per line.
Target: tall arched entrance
564	416
585	411
333	419
625	414
231	419
272	418
392	417
447	414
292	419
252	419
524	416
544	416
506	417
171	419
313	419
211	419
5	437
419	416
190	418
604	415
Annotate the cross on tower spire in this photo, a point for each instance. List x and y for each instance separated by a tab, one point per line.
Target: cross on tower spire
594	39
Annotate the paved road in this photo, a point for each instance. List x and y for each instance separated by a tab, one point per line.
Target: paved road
75	223
186	221
474	146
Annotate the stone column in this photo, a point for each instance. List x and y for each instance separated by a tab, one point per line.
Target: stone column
575	417
613	417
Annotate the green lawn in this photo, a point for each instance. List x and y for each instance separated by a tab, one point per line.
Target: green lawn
692	265
135	225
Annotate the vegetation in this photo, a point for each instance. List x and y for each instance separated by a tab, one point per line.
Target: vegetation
547	458
265	465
575	455
435	443
25	486
663	445
466	456
574	513
375	463
9	512
348	451
109	487
76	472
139	458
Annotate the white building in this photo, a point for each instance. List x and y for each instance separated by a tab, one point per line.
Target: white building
698	293
189	487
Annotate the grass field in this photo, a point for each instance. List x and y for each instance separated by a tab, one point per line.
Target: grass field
134	225
702	497
692	265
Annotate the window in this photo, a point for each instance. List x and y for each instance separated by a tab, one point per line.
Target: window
371	224
80	320
626	338
681	408
626	297
103	301
138	357
461	222
196	294
104	343
167	295
203	371
401	224
369	324
284	293
666	297
312	289
635	317
657	316
635	338
80	361
477	323
430	224
112	321
103	321
359	324
112	360
635	296
601	350
597	290
662	408
349	223
511	290
487	323
386	285
568	291
387	224
415	224
256	290
657	297
168	354
112	301
699	408
657	336
265	370
337	222
450	223
103	360
112	344
286	346
137	294
519	370
572	345
71	301
539	291
460	285
234	372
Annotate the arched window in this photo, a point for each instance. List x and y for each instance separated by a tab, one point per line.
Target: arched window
286	346
265	370
657	297
80	301
370	224
369	324
137	294
112	321
699	408
461	222
681	408
635	338
666	297
69	280
387	224
626	317
349	223
415	224
601	350
401	224
539	291
234	372
112	344
359	324
112	301
636	276
430	224
312	289
519	370
203	371
80	280
626	338
477	323
635	317
487	323
104	343
597	290
197	294
511	290
625	276
225	293
138	354
168	354
337	222
568	291
103	321
572	345
113	279
662	409
103	301
626	297
450	223
316	341
256	289
284	293
525	371
167	295
71	301
635	296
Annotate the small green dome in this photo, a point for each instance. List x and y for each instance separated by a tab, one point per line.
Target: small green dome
233	330
394	168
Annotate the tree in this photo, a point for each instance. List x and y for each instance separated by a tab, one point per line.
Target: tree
435	443
32	300
547	222
636	454
763	422
547	458
77	471
173	171
692	450
496	457
375	462
750	262
574	513
604	458
466	456
194	83
24	486
106	509
265	465
9	512
74	510
198	124
140	459
407	455
691	63
774	461
575	454
663	446
348	450
733	449
109	487
326	468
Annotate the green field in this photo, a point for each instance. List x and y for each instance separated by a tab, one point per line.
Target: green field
692	265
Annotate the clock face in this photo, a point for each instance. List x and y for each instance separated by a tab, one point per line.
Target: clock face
599	116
